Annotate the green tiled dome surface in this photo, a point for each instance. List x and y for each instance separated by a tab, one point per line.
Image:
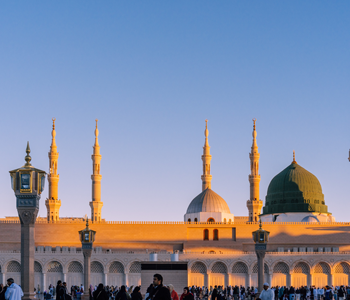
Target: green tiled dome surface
294	190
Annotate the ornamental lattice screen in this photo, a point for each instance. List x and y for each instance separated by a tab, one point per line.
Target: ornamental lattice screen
117	267
240	268
219	268
199	267
342	268
96	267
37	267
266	269
135	267
13	266
301	268
54	267
281	268
322	268
75	267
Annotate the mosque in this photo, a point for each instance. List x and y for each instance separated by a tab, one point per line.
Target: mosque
306	246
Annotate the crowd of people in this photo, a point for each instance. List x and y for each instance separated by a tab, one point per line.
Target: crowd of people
158	291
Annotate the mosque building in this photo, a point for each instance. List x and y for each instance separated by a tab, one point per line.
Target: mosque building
306	245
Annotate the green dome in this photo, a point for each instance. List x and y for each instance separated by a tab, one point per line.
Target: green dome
294	190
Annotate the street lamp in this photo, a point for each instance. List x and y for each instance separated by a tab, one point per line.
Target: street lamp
260	238
28	183
87	237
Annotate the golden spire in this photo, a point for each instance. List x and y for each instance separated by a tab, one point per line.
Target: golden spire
53	147
206	158
254	136
87	223
96	146
28	158
294	162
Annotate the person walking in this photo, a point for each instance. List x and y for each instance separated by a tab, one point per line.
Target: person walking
136	294
267	293
186	294
13	291
160	292
173	294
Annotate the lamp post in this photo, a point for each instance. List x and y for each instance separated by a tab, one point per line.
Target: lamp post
87	237
28	183
260	238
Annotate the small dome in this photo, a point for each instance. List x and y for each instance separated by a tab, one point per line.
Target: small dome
208	201
310	219
294	190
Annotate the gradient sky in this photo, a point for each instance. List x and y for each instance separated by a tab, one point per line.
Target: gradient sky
152	72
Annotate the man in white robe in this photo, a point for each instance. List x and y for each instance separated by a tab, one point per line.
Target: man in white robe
14	291
267	293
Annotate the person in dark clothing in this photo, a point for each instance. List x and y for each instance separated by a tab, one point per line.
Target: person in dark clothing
186	294
2	293
150	291
160	292
59	291
121	295
100	293
136	294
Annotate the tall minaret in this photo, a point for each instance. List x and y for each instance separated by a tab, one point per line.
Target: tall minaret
206	158
52	203
254	204
96	204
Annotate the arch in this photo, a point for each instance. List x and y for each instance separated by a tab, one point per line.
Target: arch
219	267
116	273
342	267
206	234
199	267
280	268
321	272
13	266
211	220
341	274
54	267
96	267
255	268
135	267
215	235
116	267
322	268
196	220
301	267
240	267
189	220
75	267
225	220
38	267
197	273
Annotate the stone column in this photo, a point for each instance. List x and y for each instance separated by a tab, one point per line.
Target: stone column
44	282
206	280
249	280
126	279
27	217
260	250
64	277
289	280
106	278
330	279
87	250
227	280
3	277
309	280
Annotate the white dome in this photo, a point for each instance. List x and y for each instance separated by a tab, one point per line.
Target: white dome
208	201
310	219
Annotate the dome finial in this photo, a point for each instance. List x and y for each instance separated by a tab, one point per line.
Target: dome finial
28	158
294	162
206	158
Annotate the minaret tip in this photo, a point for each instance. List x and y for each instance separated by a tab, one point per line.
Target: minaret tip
28	158
96	130
294	161
206	132
254	120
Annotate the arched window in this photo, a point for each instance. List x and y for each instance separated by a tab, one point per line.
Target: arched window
211	220
216	235
196	220
206	235
189	220
225	220
229	221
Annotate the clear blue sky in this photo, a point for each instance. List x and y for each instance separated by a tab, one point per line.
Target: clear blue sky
152	72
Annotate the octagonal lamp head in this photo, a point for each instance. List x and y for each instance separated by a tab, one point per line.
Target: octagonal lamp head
261	236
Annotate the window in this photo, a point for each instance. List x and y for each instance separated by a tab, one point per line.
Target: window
216	235
189	220
206	235
196	220
211	220
234	234
224	220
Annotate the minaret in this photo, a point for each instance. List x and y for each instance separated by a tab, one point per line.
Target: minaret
96	204
206	158
52	203
254	204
